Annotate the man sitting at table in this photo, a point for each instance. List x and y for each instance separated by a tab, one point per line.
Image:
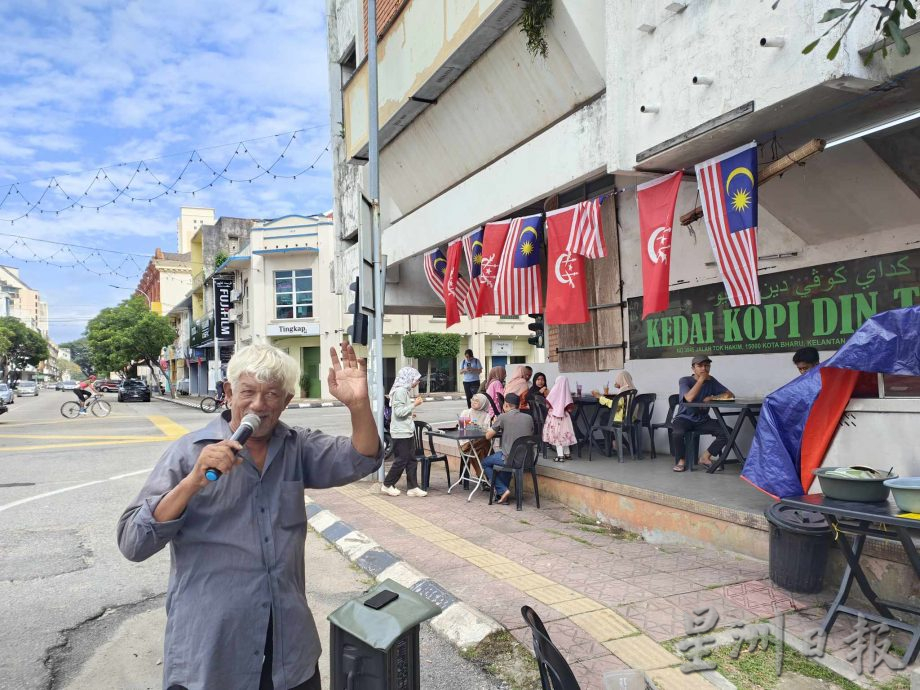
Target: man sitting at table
700	387
513	424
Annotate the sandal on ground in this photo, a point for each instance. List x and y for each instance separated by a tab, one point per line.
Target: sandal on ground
559	458
680	468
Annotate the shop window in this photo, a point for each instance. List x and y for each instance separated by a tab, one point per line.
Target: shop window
294	294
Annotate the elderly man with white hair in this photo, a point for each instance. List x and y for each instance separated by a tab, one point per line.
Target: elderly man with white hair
237	614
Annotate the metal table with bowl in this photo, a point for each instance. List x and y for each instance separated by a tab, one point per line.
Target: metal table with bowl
742	408
858	507
465	438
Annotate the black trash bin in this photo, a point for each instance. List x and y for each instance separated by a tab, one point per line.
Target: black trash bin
799	540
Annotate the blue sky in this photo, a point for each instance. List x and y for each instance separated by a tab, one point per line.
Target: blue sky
93	83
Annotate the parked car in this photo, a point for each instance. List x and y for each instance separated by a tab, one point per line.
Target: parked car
68	385
6	394
27	388
182	387
133	389
107	385
440	382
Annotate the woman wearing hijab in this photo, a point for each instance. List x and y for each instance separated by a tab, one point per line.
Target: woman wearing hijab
402	431
518	385
623	382
558	429
495	385
480	414
539	385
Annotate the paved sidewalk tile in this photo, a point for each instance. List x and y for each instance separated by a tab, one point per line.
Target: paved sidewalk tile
642	652
604	624
675	679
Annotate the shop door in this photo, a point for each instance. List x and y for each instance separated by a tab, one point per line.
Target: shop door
499	360
309	365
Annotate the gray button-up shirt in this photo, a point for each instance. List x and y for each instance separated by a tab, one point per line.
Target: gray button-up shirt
237	554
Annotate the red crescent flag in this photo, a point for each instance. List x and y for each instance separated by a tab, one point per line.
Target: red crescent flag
451	281
492	245
656	201
573	234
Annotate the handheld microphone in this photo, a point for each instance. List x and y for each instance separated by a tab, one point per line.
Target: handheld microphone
247	428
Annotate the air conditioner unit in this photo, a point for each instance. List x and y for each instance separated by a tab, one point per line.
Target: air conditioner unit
235	295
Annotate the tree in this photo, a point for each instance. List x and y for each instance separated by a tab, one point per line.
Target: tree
119	336
431	346
23	346
80	355
888	25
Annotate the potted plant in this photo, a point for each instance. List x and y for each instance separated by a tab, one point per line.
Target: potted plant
304	385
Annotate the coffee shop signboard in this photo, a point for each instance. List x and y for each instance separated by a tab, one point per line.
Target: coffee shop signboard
819	306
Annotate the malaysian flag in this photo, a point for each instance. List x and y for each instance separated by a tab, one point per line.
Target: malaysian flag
435	265
518	285
586	233
728	188
435	272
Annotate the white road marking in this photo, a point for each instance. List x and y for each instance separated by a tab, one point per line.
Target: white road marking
71	488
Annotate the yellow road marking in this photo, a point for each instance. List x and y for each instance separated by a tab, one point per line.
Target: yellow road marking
4	425
167	426
170	430
88	437
155	439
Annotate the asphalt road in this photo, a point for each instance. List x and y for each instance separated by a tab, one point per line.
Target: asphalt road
72	608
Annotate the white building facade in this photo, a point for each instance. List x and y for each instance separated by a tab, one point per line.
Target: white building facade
474	129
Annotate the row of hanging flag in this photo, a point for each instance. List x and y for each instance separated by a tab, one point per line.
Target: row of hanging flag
504	258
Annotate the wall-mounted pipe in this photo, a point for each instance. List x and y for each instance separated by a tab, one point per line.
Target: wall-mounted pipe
702	81
648	109
772	42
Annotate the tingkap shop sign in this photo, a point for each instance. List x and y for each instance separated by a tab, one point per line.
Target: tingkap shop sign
819	306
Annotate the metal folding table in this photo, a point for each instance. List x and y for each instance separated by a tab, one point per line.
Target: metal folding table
862	520
467	436
743	409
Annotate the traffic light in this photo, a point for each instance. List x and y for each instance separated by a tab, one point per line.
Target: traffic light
357	331
538	328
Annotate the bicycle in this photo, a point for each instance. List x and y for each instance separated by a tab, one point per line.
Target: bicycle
212	404
95	404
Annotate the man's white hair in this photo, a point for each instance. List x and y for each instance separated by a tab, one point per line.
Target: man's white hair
267	364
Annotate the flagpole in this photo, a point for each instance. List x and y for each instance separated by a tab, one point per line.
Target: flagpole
373	156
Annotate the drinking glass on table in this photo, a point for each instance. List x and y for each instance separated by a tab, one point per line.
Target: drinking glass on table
578	389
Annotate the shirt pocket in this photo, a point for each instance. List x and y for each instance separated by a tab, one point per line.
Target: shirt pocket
291	510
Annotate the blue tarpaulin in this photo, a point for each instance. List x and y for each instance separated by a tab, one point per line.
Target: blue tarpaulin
888	343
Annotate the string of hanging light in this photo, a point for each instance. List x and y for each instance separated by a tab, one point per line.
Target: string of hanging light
133	190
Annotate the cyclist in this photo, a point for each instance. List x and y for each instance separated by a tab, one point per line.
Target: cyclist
220	390
85	390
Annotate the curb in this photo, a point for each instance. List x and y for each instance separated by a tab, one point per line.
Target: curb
461	624
307	405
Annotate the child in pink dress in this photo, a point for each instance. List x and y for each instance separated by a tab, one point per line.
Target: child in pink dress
558	429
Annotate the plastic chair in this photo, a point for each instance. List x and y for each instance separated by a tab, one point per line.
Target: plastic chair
622	430
495	409
673	401
643	407
523	458
539	410
421	430
555	672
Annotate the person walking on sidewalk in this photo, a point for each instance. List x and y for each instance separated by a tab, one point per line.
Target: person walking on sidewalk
236	614
402	431
513	424
471	368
